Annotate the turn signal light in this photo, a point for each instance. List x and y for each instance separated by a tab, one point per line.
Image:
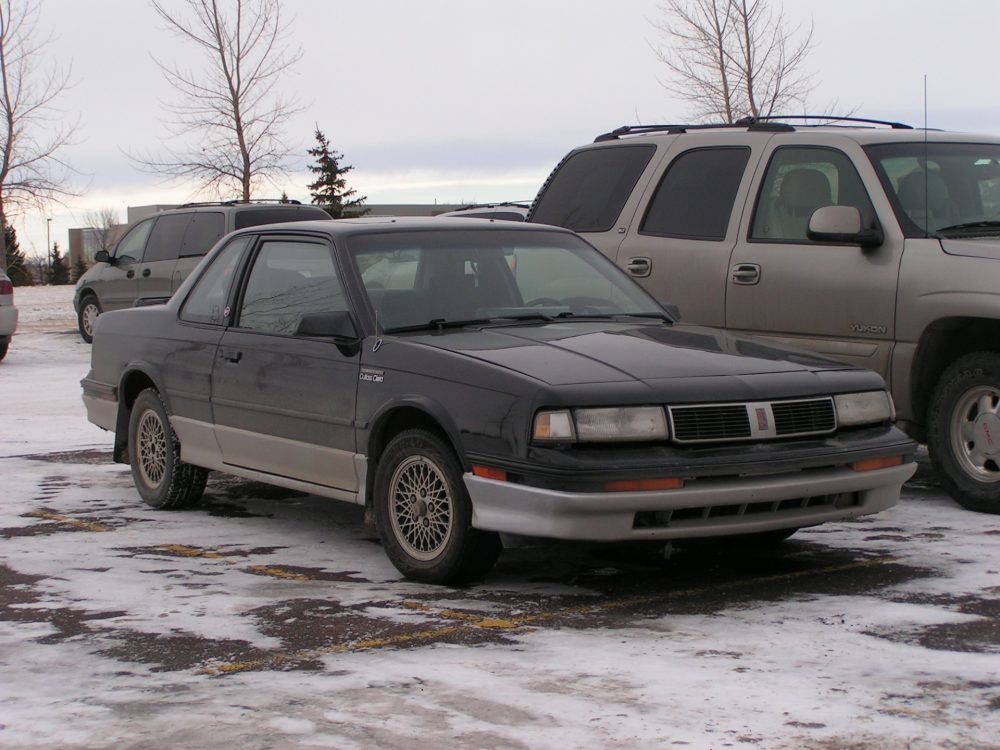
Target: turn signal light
640	485
871	464
489	472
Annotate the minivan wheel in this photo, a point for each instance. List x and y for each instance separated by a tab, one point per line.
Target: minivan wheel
963	430
424	514
162	479
90	308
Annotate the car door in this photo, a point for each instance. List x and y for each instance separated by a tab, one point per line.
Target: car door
117	284
836	299
156	271
679	246
283	403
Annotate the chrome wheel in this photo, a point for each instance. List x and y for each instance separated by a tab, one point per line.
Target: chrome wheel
975	433
421	509
87	317
152	448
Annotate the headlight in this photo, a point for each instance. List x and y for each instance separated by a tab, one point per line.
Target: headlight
634	423
864	408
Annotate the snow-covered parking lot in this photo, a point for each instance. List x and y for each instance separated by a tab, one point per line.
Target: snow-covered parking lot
266	618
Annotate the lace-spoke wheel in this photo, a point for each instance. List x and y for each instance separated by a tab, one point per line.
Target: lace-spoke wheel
963	430
424	514
162	479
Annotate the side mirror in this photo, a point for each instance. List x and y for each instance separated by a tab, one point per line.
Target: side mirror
843	224
102	256
338	326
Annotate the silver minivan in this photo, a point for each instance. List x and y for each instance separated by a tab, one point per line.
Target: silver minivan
156	254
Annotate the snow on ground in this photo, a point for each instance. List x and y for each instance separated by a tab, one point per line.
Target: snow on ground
284	626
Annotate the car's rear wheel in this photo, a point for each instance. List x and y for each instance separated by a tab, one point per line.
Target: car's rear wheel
90	308
162	479
424	515
3	349
963	430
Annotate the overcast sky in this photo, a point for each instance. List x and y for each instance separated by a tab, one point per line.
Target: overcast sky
462	101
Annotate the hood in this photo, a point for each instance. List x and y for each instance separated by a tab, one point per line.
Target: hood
579	352
978	248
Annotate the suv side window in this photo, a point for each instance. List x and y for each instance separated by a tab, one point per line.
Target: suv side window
130	247
696	195
207	301
252	217
798	181
203	232
588	191
165	240
288	280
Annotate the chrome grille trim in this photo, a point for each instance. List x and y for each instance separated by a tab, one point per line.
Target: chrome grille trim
767	420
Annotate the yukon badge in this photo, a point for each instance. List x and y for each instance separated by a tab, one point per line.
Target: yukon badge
867	328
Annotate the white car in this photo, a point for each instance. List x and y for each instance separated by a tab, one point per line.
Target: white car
8	313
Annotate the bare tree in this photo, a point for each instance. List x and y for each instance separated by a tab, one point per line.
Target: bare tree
32	131
733	58
230	113
104	227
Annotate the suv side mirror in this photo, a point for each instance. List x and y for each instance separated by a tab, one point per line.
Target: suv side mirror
102	256
843	224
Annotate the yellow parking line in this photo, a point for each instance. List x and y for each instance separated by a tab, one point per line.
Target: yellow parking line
83	525
186	551
287	575
472	622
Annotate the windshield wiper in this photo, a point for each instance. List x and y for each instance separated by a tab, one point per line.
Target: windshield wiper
440	324
982	224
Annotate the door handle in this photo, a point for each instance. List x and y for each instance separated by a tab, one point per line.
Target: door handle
130	274
145	272
230	355
746	273
639	267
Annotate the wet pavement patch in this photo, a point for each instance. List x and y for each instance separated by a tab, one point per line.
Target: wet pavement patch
235	488
73	457
978	635
177	652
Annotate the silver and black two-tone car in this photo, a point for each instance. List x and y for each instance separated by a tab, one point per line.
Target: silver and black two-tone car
465	379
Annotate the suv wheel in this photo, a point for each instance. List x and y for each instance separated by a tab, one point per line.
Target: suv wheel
163	480
90	308
424	515
963	433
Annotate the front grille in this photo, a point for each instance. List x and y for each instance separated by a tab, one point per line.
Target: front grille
712	515
710	423
804	417
766	420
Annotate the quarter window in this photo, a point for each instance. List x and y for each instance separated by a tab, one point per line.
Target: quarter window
289	280
800	180
203	232
696	195
207	301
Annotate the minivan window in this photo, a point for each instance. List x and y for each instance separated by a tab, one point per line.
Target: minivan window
203	232
696	195
588	191
130	247
252	217
165	240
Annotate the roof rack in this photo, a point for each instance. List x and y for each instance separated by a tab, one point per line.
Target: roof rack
766	123
240	201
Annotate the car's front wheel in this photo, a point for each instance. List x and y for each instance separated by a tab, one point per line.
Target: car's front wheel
424	515
963	430
90	308
163	480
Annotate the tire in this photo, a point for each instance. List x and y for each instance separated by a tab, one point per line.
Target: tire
424	515
963	431
3	349
90	308
162	479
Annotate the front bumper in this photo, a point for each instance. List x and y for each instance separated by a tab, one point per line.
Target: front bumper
716	506
8	320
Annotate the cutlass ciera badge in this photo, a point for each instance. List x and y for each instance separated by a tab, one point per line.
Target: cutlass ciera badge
371	375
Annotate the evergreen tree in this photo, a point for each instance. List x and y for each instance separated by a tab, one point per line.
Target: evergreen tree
58	267
330	188
79	269
15	259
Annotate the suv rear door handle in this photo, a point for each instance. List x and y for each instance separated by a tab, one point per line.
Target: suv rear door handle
639	267
746	273
230	355
145	272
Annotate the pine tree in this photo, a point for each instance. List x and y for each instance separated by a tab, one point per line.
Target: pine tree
15	259
58	267
79	269
330	189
